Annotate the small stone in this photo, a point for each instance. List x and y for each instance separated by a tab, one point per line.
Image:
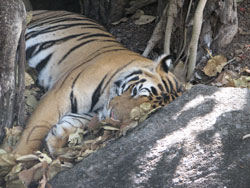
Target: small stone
238	59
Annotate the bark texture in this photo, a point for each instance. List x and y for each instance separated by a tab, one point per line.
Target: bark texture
194	142
12	28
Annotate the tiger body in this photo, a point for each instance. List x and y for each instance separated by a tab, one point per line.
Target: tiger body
83	67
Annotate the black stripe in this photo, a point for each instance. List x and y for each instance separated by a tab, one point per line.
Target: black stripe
73	102
166	98
46	17
176	83
83	43
133	79
68	123
43	63
51	29
118	70
79	121
134	92
79	117
133	73
141	81
97	93
73	84
37	21
101	53
170	85
95	35
154	90
39	13
61	20
48	44
166	86
74	48
88	115
147	90
160	87
159	98
118	83
30	51
94	27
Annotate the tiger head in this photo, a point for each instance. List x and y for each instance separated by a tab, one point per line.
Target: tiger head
154	84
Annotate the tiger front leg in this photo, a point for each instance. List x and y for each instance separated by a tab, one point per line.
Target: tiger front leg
59	134
48	113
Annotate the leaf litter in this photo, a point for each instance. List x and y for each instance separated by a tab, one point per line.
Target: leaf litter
38	168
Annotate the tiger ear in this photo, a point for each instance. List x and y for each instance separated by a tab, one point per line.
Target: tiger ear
163	63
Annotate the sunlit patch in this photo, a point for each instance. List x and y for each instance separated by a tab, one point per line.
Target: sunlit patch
194	158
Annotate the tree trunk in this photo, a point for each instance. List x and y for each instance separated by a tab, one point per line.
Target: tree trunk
12	59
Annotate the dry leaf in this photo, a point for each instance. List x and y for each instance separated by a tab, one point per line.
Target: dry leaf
13	173
135	113
17	183
138	14
28	79
124	129
30	98
28	17
143	118
215	65
12	136
33	174
124	19
144	19
7	159
43	157
246	70
243	82
188	86
146	107
110	128
246	136
87	152
221	80
76	138
231	79
29	157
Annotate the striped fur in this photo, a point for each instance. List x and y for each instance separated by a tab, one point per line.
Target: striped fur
83	67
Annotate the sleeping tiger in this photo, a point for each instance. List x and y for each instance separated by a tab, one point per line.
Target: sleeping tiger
83	68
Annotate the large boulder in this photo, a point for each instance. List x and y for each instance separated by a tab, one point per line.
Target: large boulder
196	141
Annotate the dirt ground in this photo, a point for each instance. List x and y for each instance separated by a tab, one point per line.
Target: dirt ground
135	37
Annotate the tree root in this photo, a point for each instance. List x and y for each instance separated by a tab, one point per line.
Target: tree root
171	14
157	34
198	16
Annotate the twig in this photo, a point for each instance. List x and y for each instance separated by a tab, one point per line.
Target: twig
157	34
81	2
198	16
185	33
171	14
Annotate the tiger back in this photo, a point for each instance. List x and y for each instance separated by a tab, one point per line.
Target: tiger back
83	68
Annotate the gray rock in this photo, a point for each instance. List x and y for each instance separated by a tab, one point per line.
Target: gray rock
196	141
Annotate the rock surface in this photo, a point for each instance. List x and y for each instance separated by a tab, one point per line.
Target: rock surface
196	141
